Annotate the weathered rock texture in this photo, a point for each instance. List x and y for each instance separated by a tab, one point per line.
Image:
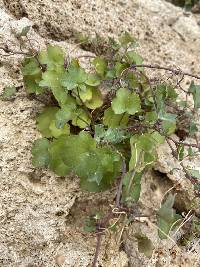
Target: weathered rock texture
41	214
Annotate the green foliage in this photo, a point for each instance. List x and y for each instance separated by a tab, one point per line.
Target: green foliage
132	188
125	101
105	117
167	217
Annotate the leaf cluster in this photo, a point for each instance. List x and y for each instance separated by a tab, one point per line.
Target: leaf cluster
103	117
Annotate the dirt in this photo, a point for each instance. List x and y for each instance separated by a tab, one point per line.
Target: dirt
42	215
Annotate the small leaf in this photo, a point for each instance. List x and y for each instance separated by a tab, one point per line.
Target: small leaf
151	117
132	187
125	101
145	245
134	58
40	152
193	129
96	101
168	122
30	66
143	147
100	65
80	118
112	135
74	76
46	123
167	217
44	120
56	132
180	152
8	91
195	91
190	151
93	80
86	95
52	57
114	120
62	116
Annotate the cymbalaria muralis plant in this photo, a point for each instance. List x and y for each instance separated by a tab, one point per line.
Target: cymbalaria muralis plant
105	125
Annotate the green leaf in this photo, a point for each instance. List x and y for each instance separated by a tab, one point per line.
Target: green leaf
190	151
195	91
32	76
56	163
125	101
8	91
99	166
131	188
52	57
56	132
46	123
73	77
134	58
44	120
62	116
168	122
74	146
112	135
93	80
30	66
100	65
151	117
114	120
143	149
96	101
193	129
40	153
119	68
145	245
86	95
180	152
167	217
80	118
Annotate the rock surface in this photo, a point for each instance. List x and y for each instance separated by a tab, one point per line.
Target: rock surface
37	209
